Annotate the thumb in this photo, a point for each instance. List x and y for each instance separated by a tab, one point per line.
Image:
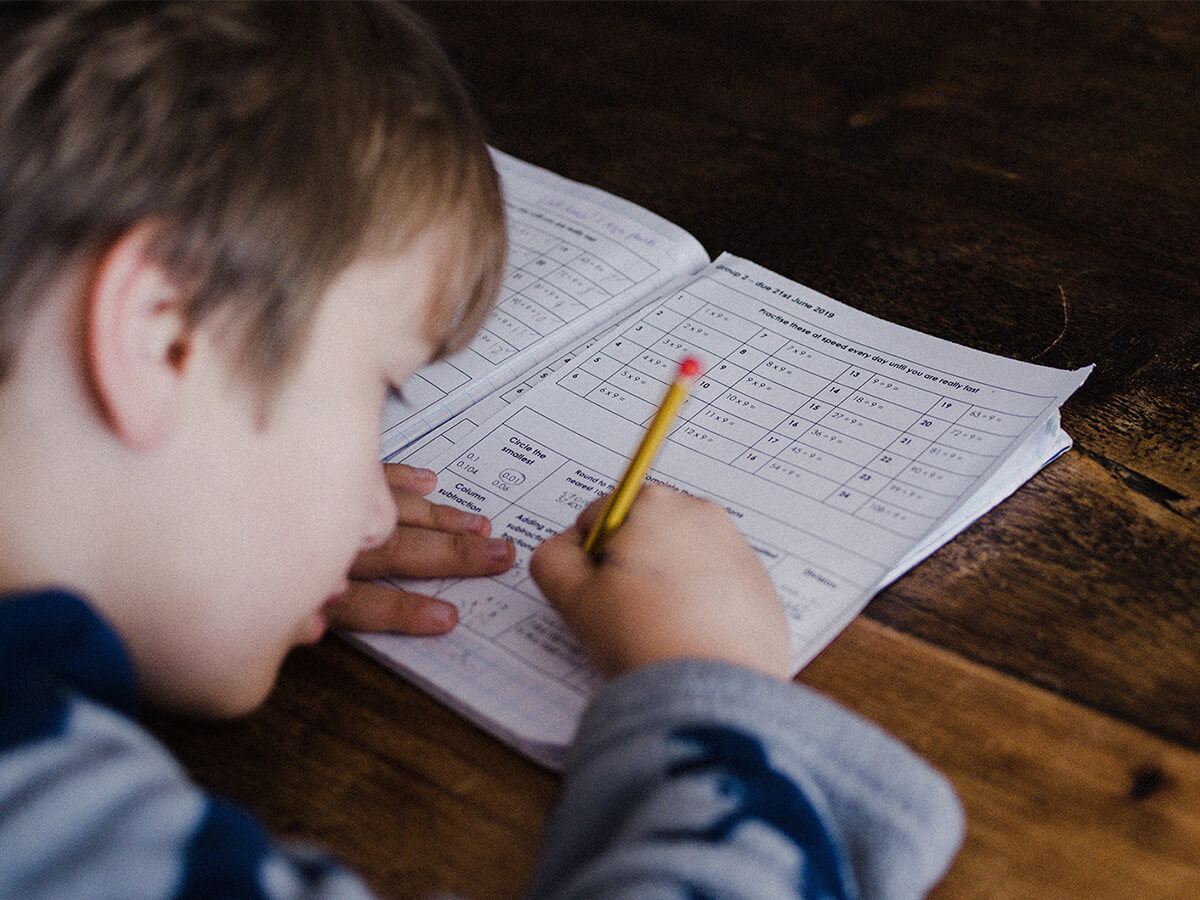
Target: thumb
590	514
559	565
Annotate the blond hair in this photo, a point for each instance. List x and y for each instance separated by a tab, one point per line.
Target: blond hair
270	144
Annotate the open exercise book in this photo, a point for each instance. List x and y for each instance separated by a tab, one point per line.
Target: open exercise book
846	448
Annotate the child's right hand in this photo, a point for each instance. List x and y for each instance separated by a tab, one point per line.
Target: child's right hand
676	580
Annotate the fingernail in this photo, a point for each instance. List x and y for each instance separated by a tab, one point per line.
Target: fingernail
498	550
426	476
441	613
473	521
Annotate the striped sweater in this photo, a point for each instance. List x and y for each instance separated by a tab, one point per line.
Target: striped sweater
688	779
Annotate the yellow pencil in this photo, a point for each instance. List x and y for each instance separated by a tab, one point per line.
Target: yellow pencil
627	488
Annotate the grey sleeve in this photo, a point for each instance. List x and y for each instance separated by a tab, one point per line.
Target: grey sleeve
697	779
92	806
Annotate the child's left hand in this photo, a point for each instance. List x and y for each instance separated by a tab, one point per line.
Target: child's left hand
430	541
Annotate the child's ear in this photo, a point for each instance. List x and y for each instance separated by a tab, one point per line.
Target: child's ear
137	339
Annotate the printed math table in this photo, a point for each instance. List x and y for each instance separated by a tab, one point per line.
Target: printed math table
837	458
850	435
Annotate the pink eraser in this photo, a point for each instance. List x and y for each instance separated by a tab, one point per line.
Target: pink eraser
689	367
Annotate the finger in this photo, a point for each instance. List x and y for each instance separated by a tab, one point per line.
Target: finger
587	518
425	553
370	606
394	555
401	477
418	512
559	566
647	493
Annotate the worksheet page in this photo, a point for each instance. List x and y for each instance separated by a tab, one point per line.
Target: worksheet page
577	257
841	445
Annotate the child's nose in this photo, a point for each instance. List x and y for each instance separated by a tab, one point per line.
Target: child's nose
381	517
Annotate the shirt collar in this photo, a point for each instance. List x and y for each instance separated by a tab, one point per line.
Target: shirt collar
55	632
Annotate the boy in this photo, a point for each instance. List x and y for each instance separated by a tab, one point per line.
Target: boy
227	232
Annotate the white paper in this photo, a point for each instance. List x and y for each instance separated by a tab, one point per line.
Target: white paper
578	257
846	448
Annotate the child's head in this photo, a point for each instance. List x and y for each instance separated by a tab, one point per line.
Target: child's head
225	229
270	144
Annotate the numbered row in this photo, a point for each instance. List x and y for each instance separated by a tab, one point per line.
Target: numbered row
847	438
527	243
778	371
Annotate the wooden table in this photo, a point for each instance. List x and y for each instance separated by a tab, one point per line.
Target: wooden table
1019	178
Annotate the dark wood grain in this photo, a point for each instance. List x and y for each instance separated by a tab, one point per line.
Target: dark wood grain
1077	584
1061	802
1021	178
915	163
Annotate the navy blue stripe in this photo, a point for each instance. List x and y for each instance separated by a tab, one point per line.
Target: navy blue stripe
225	856
762	794
31	709
51	645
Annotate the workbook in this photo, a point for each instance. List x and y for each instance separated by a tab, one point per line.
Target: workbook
846	448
